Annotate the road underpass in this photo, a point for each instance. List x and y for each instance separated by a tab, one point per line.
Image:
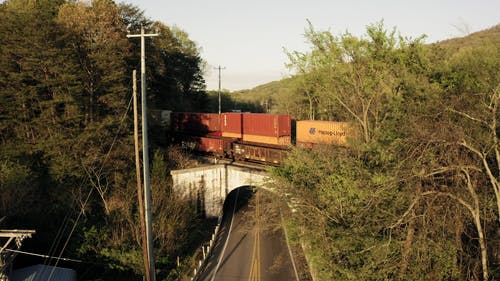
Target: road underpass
250	244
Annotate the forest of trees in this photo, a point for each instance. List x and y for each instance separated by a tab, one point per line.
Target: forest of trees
66	140
416	195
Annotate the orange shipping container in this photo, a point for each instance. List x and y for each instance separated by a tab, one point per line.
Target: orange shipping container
262	124
231	125
322	132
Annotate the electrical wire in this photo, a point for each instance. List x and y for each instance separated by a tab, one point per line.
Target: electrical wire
39	255
57	239
90	192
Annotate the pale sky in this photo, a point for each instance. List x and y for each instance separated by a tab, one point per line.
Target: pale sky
248	37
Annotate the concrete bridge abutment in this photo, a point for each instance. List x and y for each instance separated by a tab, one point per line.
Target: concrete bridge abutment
209	185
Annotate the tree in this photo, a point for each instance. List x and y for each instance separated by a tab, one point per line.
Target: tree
63	118
355	79
304	84
177	79
35	79
412	190
476	107
473	85
15	183
101	46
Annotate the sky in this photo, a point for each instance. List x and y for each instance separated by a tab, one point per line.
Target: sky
248	38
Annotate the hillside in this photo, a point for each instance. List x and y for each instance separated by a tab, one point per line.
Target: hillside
474	39
270	93
266	94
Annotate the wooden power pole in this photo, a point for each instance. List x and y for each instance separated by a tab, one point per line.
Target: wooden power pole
220	68
145	154
139	181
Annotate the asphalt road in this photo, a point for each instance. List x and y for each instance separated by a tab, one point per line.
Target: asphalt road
250	245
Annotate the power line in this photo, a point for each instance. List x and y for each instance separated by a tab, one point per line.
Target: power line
91	190
40	255
57	239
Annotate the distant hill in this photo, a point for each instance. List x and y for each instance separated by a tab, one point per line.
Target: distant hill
474	39
266	93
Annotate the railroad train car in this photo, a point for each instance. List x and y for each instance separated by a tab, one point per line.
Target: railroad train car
257	137
259	152
195	123
313	132
232	125
273	129
220	147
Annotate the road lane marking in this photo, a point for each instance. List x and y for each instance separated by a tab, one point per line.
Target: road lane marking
255	270
227	238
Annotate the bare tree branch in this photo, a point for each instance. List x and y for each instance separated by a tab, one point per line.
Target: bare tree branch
463	114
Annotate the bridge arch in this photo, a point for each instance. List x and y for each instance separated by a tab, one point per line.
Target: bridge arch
210	185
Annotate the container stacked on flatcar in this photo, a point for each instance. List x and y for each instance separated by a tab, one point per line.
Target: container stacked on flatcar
232	125
313	132
195	123
253	136
267	128
264	138
200	132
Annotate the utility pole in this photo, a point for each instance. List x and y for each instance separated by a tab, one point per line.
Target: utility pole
145	154
219	68
8	248
139	181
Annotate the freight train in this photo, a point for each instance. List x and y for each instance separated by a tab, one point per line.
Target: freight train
255	137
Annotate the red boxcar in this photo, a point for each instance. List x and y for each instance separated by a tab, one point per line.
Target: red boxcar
198	124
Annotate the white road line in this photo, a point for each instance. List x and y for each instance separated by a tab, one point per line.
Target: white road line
288	245
227	239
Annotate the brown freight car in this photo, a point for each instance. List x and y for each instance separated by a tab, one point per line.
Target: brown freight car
262	153
218	146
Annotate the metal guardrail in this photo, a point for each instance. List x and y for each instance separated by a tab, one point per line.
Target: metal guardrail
206	250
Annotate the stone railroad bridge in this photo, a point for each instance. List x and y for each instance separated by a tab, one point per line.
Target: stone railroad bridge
209	185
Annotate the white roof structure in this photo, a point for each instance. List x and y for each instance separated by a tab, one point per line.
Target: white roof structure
42	272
